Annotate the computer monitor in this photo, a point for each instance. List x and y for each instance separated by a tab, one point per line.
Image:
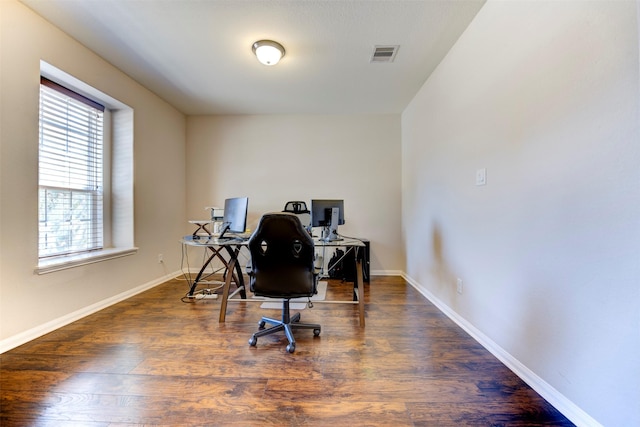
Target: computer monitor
235	215
327	214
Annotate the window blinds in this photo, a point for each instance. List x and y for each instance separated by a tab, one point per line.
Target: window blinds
70	172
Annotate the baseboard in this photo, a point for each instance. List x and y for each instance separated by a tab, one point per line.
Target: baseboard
33	333
387	273
569	409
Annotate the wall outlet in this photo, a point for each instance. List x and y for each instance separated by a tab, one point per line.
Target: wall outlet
160	258
481	176
459	285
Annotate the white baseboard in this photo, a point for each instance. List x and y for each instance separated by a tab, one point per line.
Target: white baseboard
33	333
386	273
569	409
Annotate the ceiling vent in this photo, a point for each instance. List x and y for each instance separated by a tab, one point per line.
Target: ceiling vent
384	53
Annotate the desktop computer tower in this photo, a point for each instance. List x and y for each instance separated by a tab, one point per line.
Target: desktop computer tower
349	263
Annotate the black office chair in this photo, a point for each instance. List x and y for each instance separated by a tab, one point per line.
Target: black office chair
282	266
301	211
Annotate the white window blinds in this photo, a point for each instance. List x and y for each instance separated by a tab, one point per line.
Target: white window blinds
70	172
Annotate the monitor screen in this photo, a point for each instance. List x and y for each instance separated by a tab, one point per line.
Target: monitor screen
235	215
321	212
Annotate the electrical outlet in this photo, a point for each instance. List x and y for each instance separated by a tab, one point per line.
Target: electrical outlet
459	285
160	258
481	176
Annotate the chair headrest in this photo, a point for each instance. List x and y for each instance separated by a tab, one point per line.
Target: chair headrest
296	207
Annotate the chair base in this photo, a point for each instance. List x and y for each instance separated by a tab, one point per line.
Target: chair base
287	324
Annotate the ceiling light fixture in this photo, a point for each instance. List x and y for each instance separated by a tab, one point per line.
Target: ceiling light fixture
268	52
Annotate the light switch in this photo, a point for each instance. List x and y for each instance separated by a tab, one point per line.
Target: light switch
481	176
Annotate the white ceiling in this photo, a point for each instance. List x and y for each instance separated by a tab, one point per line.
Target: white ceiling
196	54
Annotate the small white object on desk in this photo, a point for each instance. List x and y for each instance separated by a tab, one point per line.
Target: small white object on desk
216	213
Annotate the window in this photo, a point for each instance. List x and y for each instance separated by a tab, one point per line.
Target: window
85	210
70	172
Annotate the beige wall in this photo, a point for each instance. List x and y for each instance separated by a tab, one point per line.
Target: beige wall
544	95
274	159
31	304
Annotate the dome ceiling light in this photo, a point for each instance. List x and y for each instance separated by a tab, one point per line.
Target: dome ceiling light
268	52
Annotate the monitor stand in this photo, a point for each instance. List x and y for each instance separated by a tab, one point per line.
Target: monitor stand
330	233
224	229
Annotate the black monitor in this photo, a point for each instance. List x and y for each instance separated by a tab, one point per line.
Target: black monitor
235	215
328	214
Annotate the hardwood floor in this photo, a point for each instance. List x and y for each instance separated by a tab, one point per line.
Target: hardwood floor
154	360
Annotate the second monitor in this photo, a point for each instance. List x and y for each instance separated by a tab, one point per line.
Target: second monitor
327	214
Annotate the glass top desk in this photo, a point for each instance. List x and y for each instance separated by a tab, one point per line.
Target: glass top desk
232	247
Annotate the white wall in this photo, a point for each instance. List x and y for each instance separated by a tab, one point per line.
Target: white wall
274	159
29	303
544	95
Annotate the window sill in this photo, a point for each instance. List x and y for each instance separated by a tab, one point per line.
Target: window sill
62	263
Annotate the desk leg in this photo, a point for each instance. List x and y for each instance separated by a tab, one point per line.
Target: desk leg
239	279
215	253
360	291
225	290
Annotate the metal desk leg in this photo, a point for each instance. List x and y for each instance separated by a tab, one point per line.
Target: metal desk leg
234	253
225	290
360	291
214	253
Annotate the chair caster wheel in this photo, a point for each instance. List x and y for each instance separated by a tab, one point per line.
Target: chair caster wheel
261	324
316	332
253	341
291	348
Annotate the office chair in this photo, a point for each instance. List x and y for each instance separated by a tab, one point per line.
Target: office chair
301	211
282	266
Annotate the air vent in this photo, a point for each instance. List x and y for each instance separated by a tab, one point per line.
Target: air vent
384	53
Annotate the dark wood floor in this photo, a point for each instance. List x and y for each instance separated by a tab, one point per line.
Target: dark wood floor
154	360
